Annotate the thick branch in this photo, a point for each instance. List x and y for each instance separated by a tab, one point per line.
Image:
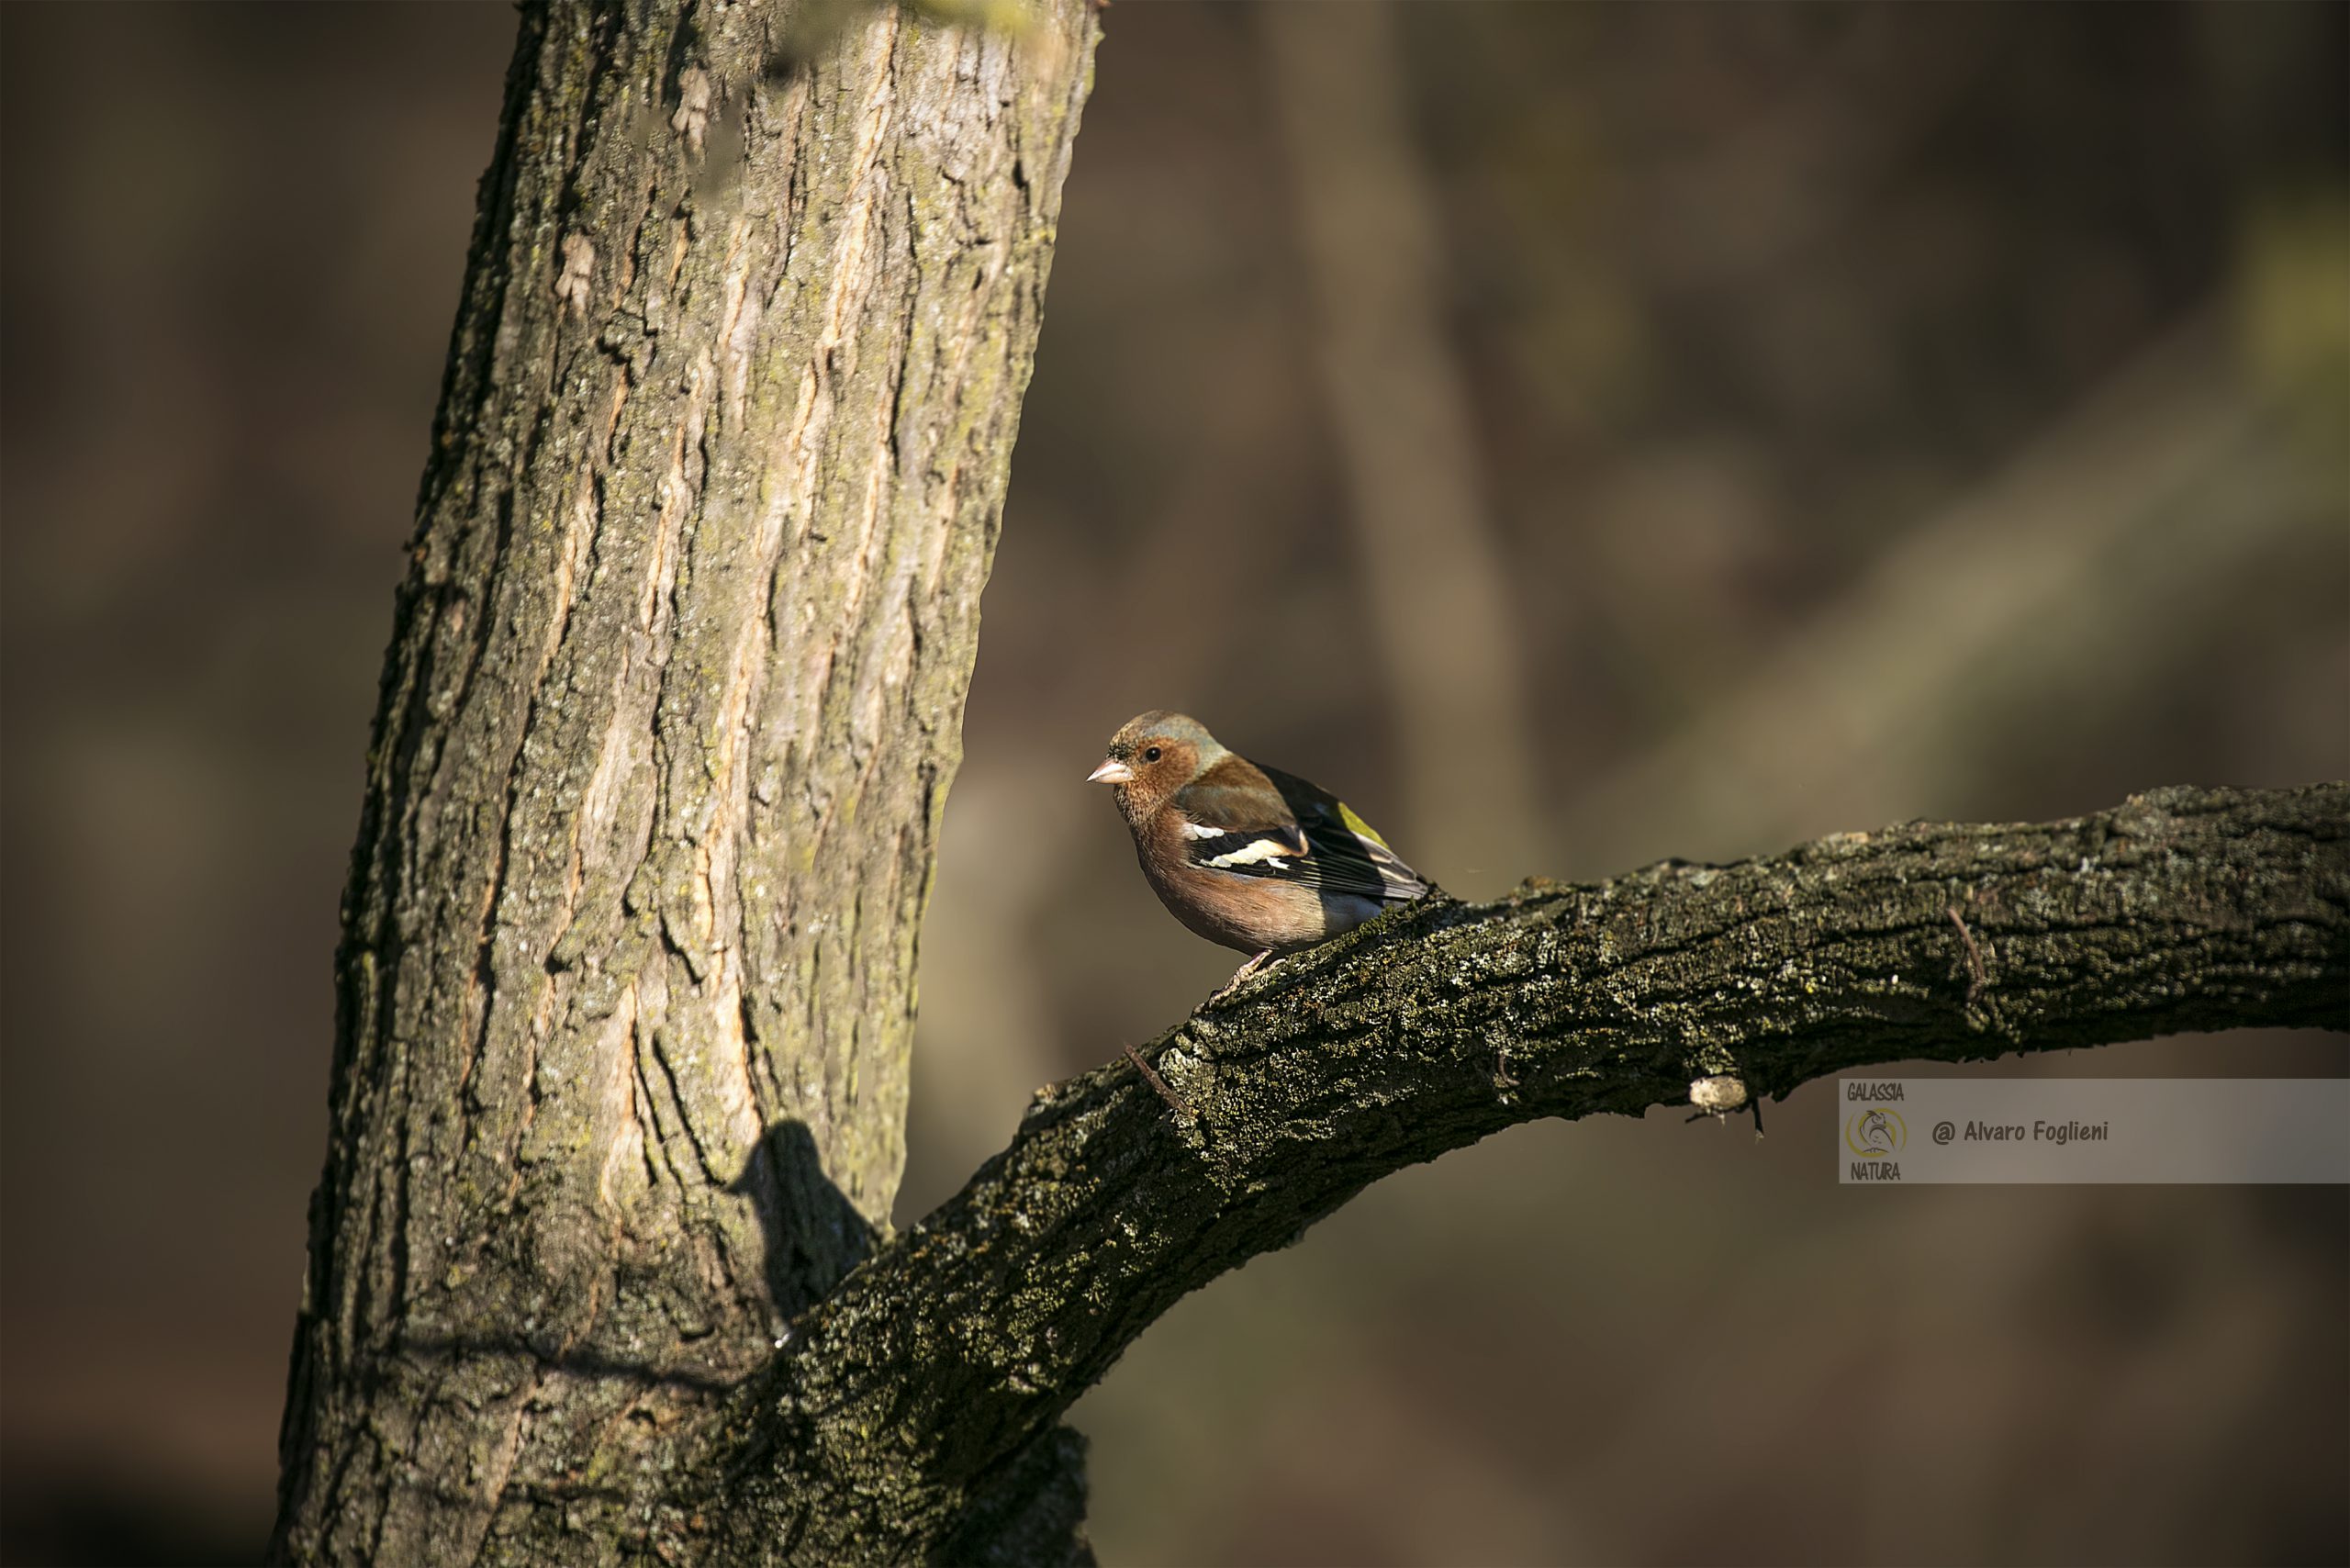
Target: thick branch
944	1361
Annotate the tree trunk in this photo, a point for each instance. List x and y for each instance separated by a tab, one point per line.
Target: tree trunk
674	695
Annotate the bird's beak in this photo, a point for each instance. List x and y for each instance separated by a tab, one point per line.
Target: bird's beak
1111	771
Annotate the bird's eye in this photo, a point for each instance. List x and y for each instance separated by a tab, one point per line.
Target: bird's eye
1151	756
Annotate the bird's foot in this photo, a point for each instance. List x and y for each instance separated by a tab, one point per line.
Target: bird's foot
1242	973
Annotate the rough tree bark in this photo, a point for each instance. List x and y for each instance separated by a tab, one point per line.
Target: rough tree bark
670	708
673	695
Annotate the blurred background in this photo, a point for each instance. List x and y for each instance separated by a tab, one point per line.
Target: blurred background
1584	434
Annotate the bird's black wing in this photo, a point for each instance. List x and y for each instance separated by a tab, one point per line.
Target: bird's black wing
1252	820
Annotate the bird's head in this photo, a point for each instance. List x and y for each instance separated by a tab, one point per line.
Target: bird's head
1152	756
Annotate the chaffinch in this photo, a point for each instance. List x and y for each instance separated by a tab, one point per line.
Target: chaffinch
1242	854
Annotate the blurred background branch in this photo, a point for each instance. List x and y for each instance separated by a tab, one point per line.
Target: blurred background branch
2179	472
1438	621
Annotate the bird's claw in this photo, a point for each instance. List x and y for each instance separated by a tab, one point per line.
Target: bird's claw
1242	973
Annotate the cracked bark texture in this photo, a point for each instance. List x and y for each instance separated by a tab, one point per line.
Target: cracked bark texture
673	695
953	1352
